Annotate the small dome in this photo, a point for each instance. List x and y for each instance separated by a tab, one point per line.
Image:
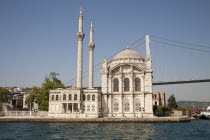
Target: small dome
128	53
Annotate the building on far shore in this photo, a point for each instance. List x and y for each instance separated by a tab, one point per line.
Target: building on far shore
158	98
126	88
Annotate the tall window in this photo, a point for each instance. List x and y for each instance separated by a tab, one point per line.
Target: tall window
84	97
116	85
56	97
70	97
52	97
75	97
88	97
126	84
93	97
64	97
137	82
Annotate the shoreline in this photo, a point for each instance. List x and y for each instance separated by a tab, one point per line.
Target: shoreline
97	120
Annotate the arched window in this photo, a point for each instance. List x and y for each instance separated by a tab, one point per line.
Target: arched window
88	97
137	82
84	97
75	97
126	84
64	97
57	97
93	97
116	85
70	97
155	102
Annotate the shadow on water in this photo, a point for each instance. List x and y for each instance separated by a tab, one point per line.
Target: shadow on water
196	129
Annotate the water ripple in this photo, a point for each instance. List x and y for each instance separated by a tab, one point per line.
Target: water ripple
197	129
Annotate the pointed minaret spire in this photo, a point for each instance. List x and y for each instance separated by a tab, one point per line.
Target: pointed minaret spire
91	24
80	36
91	33
81	20
91	55
80	10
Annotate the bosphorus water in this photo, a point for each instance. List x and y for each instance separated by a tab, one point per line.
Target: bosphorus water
196	129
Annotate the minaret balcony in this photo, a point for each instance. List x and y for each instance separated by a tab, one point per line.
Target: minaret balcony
80	36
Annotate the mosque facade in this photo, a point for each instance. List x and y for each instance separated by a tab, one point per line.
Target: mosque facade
126	87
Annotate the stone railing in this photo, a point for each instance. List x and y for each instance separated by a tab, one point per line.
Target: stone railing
25	114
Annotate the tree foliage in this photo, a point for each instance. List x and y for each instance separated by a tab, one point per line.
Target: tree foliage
155	108
34	96
41	95
162	109
181	108
4	95
172	102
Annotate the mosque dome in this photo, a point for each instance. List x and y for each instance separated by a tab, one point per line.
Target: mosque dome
128	53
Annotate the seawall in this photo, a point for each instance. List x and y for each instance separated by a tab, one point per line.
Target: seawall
98	120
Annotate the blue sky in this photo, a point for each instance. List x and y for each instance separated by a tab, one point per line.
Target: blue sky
38	37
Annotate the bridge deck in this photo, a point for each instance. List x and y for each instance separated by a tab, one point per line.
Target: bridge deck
181	82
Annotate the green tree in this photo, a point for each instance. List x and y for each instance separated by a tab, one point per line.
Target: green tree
51	82
161	109
172	102
181	108
4	95
155	108
34	96
41	95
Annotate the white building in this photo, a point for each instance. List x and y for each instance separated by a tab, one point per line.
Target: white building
126	88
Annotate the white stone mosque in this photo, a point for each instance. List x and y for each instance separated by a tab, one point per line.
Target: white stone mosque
126	88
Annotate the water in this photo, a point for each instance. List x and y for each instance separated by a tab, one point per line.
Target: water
196	129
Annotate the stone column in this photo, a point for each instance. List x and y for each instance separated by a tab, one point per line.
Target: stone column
142	83
72	107
78	107
110	84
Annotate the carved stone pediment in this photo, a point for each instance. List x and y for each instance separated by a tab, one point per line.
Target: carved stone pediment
126	64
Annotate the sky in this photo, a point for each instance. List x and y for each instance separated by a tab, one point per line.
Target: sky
38	37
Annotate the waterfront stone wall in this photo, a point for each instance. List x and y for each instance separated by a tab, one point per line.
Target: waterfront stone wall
98	120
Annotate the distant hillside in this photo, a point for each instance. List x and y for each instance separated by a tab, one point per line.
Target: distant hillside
194	104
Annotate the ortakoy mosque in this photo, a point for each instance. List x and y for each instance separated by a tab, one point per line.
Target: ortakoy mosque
126	88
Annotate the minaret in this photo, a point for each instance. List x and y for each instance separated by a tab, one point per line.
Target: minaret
80	36
91	55
148	55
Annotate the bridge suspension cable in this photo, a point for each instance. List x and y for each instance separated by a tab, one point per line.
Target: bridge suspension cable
202	46
190	48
